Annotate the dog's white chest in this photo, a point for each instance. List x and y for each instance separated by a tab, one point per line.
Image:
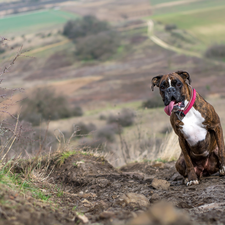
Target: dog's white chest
193	129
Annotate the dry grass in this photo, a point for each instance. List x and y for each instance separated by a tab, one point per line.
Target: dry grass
127	152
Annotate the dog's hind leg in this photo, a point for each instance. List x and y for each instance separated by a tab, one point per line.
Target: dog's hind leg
212	164
181	166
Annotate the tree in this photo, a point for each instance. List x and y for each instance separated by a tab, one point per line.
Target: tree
94	39
89	25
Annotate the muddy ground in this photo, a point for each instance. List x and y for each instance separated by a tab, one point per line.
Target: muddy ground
87	189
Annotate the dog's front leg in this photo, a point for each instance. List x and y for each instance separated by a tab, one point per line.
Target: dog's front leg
221	152
192	176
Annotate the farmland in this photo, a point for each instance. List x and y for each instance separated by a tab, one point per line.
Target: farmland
34	21
203	19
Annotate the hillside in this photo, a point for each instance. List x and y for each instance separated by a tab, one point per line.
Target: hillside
104	88
83	139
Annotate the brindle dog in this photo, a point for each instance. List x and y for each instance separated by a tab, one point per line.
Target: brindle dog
199	131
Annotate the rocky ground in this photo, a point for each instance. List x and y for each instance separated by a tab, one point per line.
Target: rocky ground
83	188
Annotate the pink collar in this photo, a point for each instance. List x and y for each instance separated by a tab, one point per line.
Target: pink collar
191	103
182	113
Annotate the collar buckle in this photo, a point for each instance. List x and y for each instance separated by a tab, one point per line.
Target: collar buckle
180	115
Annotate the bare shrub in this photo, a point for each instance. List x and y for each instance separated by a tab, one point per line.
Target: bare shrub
94	39
28	140
102	117
87	144
154	102
216	51
77	111
169	27
166	129
44	104
88	25
2	50
83	129
101	138
106	133
125	118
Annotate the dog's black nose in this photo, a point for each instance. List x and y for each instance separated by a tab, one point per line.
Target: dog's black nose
171	90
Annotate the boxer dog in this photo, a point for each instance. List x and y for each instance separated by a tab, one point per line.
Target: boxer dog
197	125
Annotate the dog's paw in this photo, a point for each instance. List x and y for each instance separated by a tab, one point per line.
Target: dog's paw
222	171
192	182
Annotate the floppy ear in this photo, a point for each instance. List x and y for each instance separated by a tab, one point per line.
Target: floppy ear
185	75
156	81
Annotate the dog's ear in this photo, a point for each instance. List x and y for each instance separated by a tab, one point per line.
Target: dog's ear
185	75
156	81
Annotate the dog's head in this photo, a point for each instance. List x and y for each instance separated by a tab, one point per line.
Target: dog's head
173	89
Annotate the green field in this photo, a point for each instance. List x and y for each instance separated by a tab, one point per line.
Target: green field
203	19
34	21
156	2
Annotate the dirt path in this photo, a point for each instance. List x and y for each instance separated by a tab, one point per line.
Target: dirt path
163	44
169	4
83	188
88	176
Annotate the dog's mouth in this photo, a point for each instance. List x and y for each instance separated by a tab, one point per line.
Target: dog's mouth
173	107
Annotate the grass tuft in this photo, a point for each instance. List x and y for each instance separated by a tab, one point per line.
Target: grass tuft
65	155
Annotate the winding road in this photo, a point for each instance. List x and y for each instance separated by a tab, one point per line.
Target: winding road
163	44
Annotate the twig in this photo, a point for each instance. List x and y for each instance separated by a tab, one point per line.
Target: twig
5	70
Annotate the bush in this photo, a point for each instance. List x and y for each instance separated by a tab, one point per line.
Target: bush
169	27
29	140
99	46
166	129
77	111
154	102
94	39
101	138
44	104
2	50
102	117
92	144
89	25
217	51
125	118
106	134
83	129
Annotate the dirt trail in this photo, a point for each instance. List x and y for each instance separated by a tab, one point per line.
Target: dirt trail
93	191
164	45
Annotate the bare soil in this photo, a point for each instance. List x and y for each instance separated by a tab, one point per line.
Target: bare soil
93	189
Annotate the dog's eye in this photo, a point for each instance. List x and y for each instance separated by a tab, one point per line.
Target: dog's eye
162	87
179	85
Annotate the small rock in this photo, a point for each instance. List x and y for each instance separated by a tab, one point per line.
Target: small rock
139	199
107	215
103	182
176	177
135	175
116	185
148	178
160	184
86	203
155	198
138	176
87	195
159	165
83	218
162	214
